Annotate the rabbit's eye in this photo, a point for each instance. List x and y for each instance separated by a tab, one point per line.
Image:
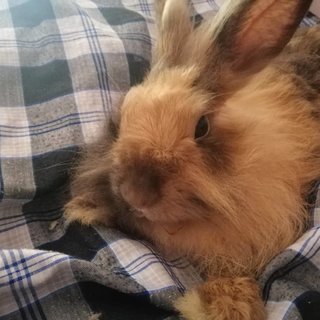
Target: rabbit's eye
202	128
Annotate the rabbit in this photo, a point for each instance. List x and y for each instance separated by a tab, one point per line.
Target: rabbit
214	153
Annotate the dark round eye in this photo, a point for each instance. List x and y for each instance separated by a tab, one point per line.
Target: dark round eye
202	127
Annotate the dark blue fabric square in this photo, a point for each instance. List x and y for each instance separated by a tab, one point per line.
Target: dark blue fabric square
79	241
308	305
30	13
111	304
46	82
120	16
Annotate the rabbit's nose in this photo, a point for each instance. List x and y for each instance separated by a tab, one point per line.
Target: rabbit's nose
141	189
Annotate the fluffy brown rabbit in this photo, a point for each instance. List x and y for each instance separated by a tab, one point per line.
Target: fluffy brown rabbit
214	153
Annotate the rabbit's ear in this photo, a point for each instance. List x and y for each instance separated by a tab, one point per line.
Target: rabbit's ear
259	29
246	34
174	25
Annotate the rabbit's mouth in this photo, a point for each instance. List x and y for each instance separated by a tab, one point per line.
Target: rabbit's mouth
143	213
138	212
170	228
168	213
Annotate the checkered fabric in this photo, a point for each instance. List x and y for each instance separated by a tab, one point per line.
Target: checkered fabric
63	66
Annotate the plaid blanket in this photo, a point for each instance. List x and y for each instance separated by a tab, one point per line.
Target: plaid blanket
63	66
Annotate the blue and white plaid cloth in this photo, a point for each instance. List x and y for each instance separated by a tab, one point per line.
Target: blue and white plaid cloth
63	66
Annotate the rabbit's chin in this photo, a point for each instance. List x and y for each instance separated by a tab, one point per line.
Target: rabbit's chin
155	215
146	214
170	227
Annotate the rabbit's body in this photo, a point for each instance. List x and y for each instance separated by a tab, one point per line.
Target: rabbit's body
232	199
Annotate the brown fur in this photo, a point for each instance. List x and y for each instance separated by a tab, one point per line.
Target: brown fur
233	298
234	199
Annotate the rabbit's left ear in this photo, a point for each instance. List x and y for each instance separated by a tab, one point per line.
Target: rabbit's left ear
174	26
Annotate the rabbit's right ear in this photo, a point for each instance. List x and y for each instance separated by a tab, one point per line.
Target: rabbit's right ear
243	37
174	26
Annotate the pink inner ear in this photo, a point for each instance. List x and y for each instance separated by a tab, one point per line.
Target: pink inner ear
267	25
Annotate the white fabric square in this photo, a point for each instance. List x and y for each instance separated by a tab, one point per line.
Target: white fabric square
277	310
141	264
14	133
9	55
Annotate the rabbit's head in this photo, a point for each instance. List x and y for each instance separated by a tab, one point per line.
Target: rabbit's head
180	150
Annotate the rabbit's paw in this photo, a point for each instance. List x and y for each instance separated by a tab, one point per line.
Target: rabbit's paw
84	211
223	299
